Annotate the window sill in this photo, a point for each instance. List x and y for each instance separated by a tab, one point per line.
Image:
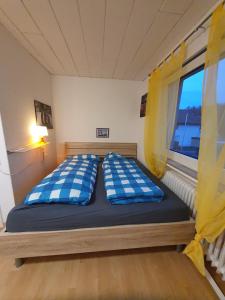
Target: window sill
183	161
183	170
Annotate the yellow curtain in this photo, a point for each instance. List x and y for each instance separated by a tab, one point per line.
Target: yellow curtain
210	200
161	111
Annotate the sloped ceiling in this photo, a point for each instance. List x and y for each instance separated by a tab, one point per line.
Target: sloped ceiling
122	39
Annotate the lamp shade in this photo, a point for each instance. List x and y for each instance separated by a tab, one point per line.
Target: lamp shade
42	131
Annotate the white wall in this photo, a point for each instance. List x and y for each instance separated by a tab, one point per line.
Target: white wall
6	190
83	104
23	79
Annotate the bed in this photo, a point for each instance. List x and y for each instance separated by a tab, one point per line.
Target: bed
43	230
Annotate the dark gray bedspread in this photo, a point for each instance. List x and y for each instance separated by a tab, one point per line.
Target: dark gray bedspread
44	217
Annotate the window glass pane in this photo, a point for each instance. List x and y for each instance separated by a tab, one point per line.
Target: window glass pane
186	138
220	96
221	83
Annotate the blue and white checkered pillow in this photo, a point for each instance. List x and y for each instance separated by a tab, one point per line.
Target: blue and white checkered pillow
72	182
84	156
113	156
126	183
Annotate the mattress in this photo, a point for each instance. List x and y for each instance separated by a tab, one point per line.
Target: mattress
99	213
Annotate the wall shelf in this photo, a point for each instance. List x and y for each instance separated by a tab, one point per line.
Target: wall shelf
26	148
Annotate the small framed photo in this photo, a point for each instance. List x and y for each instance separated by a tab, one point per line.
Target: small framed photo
143	105
102	133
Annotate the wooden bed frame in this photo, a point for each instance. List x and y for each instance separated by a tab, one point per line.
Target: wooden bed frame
47	243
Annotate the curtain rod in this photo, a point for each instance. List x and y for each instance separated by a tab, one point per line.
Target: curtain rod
187	38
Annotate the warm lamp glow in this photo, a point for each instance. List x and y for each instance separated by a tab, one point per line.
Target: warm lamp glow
42	130
38	132
34	134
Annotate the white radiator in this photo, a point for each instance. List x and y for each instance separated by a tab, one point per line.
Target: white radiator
216	254
185	190
182	187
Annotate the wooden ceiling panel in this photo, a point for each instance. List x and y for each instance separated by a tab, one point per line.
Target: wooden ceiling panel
93	24
176	6
192	16
17	14
122	39
67	13
117	19
39	43
44	18
152	41
186	24
21	38
142	17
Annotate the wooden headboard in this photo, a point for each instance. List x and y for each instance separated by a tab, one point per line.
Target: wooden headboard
101	149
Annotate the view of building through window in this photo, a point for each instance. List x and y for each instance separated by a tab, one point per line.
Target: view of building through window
187	129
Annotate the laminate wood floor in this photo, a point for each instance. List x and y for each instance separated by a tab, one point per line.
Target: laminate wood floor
149	274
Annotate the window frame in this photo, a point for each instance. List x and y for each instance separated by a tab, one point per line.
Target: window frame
183	159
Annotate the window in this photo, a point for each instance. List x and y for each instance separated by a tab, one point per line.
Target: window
186	137
221	104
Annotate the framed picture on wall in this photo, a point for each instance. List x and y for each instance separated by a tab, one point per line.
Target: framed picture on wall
102	132
43	114
143	105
